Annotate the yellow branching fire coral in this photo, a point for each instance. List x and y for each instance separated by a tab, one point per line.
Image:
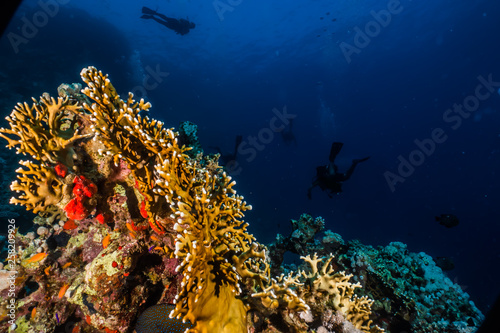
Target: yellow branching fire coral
41	188
281	294
339	292
128	136
217	256
45	130
189	201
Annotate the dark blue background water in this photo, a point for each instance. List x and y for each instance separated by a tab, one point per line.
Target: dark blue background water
230	72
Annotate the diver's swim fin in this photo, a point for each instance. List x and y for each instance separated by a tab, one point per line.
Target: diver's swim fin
146	10
239	139
336	148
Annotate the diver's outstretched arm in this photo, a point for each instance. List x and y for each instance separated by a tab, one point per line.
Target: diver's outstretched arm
309	190
239	139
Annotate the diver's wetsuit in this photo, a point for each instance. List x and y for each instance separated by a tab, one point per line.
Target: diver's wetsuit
228	158
288	136
181	26
328	177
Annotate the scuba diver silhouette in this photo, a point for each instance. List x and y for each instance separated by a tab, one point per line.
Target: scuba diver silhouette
181	26
229	157
288	136
328	177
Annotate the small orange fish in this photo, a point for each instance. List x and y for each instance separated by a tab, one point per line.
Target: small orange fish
107	330
37	257
105	241
66	265
76	329
62	291
131	227
153	237
47	270
33	313
20	280
70	225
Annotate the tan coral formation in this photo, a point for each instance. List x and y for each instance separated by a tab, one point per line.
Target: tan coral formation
335	288
45	131
128	136
40	187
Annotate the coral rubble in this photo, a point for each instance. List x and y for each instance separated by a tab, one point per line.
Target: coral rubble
133	219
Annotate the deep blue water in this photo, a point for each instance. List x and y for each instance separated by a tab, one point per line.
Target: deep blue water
245	59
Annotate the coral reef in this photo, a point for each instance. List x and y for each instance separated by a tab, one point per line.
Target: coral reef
301	241
188	136
133	219
327	286
410	292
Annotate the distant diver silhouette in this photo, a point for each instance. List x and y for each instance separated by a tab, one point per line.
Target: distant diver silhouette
327	176
181	26
230	157
288	136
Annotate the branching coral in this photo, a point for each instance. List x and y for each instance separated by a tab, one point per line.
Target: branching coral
338	291
210	235
218	257
281	294
45	130
129	136
41	187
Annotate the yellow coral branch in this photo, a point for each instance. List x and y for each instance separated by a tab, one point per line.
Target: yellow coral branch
40	187
44	130
339	291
